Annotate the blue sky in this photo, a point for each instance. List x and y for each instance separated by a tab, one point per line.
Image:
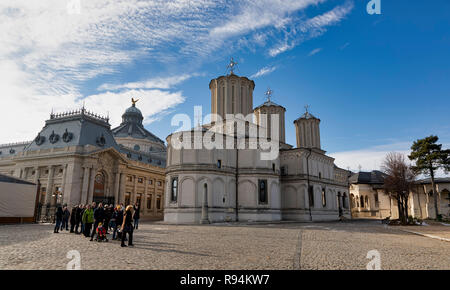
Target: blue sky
377	82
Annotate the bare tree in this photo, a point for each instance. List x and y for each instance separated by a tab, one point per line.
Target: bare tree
399	181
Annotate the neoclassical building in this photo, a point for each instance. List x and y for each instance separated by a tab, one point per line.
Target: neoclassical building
368	198
235	181
77	159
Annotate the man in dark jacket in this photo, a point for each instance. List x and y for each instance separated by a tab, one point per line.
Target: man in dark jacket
78	215
65	221
73	217
99	216
136	215
108	216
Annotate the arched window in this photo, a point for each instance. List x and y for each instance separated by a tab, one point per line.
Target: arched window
362	200
344	200
366	203
174	190
324	198
262	191
137	147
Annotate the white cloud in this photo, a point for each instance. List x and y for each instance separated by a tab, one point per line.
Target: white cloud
155	102
264	71
47	53
311	28
154	83
315	51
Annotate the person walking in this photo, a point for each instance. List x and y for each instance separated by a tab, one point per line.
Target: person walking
127	226
73	216
59	217
99	216
136	215
88	219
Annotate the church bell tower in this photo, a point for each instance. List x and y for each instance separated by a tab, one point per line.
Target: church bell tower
308	131
231	94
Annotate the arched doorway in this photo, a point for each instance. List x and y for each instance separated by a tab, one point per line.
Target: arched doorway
100	188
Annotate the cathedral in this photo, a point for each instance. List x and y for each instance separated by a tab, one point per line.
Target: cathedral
235	183
77	159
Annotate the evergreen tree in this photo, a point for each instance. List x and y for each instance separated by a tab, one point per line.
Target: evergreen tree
429	157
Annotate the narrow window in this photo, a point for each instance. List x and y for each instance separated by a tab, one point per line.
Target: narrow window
219	163
324	198
174	190
311	196
362	200
263	191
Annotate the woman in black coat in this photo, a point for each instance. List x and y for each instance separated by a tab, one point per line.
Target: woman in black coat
127	226
59	217
73	218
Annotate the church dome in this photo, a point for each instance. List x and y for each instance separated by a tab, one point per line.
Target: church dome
132	115
132	126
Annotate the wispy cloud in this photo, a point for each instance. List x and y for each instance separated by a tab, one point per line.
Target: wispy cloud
264	71
315	51
153	83
47	54
302	31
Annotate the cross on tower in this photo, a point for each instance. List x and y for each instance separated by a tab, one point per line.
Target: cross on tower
306	108
268	94
231	66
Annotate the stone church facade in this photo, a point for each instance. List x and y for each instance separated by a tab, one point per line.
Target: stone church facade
77	159
227	184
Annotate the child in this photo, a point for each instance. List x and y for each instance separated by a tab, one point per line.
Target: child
101	233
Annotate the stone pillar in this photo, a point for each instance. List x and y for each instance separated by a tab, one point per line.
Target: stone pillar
122	188
133	194
205	219
63	186
85	187
91	185
49	193
116	188
144	200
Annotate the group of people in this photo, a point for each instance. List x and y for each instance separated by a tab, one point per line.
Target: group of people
94	220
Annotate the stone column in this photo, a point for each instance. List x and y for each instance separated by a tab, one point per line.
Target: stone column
49	193
122	187
133	194
91	185
144	200
117	188
63	186
205	219
85	187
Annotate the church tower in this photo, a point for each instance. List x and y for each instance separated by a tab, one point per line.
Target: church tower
270	108
231	94
307	131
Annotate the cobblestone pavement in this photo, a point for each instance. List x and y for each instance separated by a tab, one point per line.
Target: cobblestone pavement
331	245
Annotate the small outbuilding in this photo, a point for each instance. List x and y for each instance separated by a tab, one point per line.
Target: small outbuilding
17	200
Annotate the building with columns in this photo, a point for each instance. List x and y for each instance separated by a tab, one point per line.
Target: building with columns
233	182
77	159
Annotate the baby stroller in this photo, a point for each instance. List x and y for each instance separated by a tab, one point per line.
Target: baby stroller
101	233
